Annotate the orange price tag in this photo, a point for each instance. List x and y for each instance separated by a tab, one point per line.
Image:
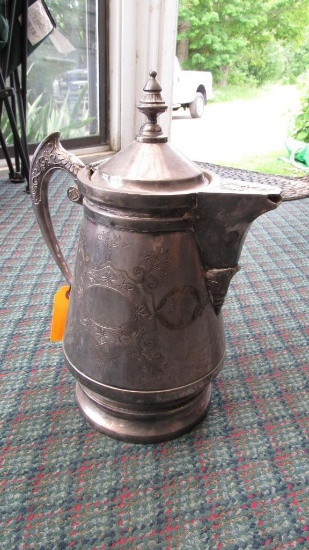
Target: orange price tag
60	311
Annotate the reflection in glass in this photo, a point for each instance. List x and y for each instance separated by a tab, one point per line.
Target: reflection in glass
63	85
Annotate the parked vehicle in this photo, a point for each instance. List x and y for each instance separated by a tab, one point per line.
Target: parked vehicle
69	85
191	89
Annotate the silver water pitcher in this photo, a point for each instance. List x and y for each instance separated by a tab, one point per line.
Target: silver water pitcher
160	240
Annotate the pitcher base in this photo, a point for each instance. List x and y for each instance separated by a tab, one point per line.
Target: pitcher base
139	427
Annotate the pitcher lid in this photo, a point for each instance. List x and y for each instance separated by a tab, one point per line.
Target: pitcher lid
149	164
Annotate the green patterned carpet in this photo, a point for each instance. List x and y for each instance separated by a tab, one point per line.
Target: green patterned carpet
238	481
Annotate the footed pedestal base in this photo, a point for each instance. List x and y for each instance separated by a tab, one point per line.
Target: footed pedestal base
142	425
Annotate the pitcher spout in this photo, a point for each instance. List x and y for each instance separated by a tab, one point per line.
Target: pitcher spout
225	211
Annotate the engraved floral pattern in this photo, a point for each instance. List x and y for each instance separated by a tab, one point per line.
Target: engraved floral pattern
117	308
155	261
129	311
245	186
148	349
111	240
51	155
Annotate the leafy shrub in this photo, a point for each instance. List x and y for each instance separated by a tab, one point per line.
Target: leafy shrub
266	64
45	118
301	121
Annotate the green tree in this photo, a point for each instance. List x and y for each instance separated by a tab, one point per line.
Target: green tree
240	36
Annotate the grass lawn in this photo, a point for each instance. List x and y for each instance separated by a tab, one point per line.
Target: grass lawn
233	92
270	165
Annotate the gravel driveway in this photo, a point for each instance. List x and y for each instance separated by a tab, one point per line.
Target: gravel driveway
229	131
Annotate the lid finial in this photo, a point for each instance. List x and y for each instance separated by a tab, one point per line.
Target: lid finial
152	105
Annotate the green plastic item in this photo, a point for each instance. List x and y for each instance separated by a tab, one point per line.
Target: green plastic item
298	151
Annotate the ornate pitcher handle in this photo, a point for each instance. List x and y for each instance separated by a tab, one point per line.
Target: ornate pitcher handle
50	156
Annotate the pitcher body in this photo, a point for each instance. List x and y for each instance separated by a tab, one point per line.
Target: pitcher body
142	337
